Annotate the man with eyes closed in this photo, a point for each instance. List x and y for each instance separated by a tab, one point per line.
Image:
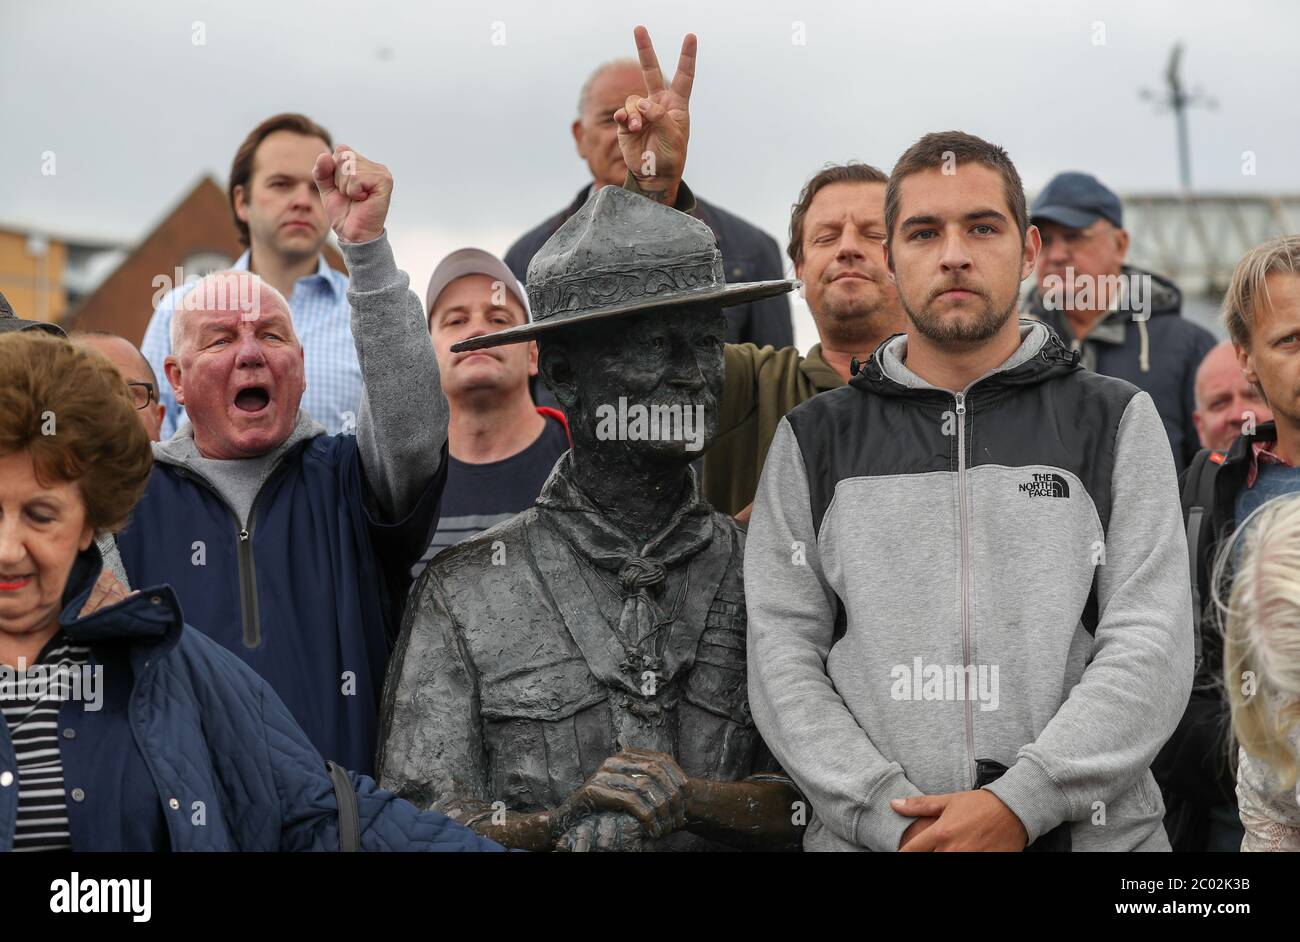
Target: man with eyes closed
289	546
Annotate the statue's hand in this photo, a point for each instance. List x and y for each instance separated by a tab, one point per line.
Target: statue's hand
603	831
650	786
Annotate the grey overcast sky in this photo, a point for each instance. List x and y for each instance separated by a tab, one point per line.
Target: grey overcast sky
469	103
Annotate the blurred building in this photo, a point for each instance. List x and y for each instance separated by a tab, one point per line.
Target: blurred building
196	237
45	274
1197	238
87	284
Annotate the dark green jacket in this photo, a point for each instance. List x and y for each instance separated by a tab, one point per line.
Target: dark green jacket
762	385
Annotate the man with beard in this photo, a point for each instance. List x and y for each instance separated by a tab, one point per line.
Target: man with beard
836	231
280	218
573	679
966	571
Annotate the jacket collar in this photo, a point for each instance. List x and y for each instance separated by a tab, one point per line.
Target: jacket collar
563	504
180	450
1233	474
818	371
1241	450
1040	356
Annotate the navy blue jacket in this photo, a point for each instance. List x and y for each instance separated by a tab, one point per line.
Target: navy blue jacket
190	750
1174	347
311	599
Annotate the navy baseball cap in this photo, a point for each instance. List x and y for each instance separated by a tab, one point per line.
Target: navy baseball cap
11	321
1076	200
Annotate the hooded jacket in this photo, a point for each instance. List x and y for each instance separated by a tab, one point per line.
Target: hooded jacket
184	748
936	579
1156	350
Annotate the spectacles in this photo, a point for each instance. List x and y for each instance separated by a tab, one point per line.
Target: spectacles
142	394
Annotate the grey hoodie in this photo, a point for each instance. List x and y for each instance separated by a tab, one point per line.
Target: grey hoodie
1009	571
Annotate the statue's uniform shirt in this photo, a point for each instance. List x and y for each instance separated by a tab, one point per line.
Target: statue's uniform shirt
546	644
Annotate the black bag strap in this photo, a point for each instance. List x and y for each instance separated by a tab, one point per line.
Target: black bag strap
1198	503
346	798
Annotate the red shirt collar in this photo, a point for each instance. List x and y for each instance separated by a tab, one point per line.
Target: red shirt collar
1261	453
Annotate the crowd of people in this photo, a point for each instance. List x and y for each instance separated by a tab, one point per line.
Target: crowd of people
322	565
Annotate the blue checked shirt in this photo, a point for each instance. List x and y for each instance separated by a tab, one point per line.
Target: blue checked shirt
323	321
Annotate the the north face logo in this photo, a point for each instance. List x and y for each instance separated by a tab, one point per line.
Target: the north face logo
1046	485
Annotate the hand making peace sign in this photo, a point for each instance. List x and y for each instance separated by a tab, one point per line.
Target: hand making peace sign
653	131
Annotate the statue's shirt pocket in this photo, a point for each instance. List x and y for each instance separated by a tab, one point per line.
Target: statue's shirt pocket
717	682
550	690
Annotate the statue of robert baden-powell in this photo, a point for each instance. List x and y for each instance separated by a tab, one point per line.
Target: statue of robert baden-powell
574	678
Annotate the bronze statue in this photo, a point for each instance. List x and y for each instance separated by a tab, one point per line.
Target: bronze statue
574	678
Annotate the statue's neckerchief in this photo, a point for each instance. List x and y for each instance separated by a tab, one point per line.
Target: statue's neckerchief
629	571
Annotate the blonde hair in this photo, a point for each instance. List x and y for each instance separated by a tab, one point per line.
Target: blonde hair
1261	648
1279	256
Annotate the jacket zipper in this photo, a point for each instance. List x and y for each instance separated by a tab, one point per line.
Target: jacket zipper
964	515
249	614
248	582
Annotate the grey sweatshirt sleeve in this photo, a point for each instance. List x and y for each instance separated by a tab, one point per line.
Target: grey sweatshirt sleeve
113	559
403	420
804	721
1133	692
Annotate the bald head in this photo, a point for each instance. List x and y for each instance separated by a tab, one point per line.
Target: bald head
595	133
223	292
1226	403
134	370
624	66
236	365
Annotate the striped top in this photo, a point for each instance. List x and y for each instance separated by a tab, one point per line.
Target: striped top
479	496
30	703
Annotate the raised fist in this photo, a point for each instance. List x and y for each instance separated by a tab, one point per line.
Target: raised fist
355	191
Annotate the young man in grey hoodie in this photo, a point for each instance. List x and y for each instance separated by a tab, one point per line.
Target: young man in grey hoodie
966	574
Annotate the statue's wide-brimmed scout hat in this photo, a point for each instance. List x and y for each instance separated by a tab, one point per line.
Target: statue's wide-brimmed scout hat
623	254
9	321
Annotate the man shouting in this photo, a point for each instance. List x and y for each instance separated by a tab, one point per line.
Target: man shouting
291	547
